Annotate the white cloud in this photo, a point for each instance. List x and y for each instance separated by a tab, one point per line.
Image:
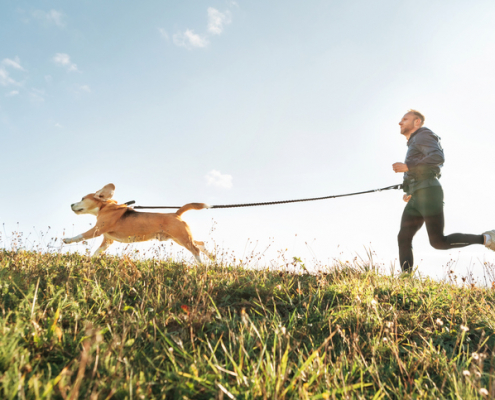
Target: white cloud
85	88
52	17
190	39
63	60
216	24
163	33
80	89
15	63
5	78
217	20
57	125
215	178
12	93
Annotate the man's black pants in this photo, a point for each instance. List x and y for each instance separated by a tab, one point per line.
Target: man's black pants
426	206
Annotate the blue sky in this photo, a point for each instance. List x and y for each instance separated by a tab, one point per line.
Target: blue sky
231	102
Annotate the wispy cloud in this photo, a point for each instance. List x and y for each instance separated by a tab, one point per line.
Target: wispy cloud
216	25
51	17
163	34
216	178
15	63
5	79
217	20
78	89
63	60
189	39
12	93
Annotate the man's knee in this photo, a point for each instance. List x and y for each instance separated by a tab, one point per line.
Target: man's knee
439	243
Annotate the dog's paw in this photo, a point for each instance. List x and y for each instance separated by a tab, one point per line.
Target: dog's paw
74	239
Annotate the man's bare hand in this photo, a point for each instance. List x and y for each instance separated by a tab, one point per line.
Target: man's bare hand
407	197
400	167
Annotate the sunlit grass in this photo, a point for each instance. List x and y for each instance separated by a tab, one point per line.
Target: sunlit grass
72	326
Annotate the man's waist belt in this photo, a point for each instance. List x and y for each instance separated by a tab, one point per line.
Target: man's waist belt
421	178
414	180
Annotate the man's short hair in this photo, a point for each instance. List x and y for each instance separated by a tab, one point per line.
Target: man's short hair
417	114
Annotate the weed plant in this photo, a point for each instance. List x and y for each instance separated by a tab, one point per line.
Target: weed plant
72	326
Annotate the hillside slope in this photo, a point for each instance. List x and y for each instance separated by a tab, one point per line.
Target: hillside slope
110	327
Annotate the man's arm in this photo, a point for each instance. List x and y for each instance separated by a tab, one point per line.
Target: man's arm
400	167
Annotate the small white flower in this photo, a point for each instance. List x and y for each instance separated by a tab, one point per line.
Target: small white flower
283	330
439	322
483	392
478	374
385	339
374	302
466	373
389	324
475	356
464	328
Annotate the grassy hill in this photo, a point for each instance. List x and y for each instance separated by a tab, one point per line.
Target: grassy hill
117	328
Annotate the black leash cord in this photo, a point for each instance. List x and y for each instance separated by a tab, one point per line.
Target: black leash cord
278	202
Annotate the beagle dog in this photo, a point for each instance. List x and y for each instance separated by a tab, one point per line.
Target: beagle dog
123	224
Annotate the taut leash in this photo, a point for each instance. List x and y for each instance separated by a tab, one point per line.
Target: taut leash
399	186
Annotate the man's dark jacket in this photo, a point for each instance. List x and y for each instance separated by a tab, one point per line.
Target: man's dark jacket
424	160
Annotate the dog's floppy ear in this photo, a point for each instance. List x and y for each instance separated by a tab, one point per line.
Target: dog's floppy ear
105	193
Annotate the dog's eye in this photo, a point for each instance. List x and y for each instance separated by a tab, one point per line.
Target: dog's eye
82	199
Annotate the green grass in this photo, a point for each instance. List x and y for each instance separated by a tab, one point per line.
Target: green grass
119	328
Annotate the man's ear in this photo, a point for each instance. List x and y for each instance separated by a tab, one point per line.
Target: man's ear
105	193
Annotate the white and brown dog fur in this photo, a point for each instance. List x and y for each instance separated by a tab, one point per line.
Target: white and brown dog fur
121	223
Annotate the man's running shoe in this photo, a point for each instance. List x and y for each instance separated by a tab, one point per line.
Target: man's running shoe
490	239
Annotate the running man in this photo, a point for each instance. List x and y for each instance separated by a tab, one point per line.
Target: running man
424	194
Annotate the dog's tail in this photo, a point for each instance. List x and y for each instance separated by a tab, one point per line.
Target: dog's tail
191	206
